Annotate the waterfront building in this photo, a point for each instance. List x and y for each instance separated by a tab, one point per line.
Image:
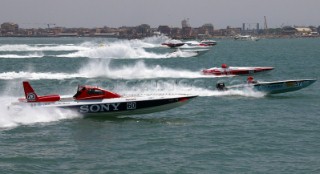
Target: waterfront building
9	28
164	29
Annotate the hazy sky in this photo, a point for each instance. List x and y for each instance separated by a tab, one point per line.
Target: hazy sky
116	13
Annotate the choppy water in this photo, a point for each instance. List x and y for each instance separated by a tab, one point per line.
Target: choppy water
218	132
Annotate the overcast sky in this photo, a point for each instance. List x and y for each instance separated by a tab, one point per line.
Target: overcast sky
116	13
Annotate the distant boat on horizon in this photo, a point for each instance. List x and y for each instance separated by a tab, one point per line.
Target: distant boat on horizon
246	38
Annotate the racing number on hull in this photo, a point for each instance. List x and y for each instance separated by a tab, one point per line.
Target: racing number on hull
131	105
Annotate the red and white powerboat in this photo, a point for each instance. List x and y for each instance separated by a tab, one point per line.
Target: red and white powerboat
195	44
173	43
209	42
226	70
91	100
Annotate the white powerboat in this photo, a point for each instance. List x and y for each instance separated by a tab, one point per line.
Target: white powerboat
274	87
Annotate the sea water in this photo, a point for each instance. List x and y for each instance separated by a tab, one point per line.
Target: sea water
217	132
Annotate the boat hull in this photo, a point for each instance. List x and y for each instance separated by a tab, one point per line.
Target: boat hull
276	87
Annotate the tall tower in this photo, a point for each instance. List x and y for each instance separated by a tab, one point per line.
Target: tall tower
265	23
185	23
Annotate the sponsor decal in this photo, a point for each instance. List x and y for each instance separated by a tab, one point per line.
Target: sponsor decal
294	84
99	108
31	96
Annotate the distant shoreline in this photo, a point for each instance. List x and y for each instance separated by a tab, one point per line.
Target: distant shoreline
214	37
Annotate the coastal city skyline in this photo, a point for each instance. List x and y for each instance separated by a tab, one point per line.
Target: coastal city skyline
98	13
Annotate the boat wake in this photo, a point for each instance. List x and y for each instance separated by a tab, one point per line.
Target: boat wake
11	118
43	47
103	68
174	88
22	56
38	75
115	49
125	50
139	70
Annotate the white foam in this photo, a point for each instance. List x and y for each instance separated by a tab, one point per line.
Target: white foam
14	117
103	68
43	47
126	49
139	70
176	87
111	51
16	56
37	75
118	49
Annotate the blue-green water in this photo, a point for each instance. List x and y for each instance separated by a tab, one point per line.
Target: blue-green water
231	132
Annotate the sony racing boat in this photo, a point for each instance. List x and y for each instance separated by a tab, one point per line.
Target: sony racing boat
226	70
274	87
91	100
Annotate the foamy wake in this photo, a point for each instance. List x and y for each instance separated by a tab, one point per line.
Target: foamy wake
13	117
138	70
102	68
23	56
150	42
126	51
174	88
38	75
118	49
44	47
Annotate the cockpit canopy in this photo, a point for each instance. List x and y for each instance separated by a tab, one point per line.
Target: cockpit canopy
89	92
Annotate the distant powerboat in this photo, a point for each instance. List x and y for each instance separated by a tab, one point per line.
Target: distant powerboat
195	44
209	42
273	87
173	43
91	100
226	70
246	38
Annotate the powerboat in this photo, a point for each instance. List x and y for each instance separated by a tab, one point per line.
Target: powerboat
226	70
195	44
197	52
209	42
246	38
90	100
173	43
274	87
